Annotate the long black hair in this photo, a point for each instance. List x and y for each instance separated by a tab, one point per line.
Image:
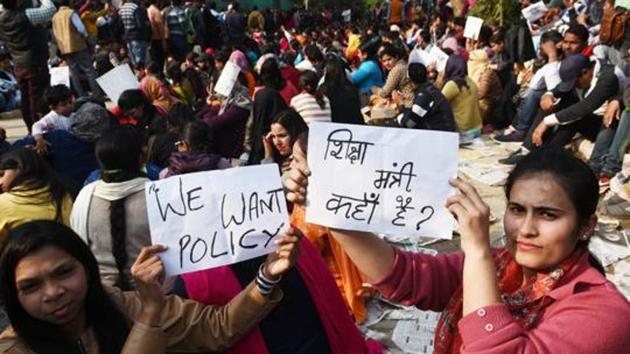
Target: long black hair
572	174
34	173
118	153
309	82
293	122
102	315
271	76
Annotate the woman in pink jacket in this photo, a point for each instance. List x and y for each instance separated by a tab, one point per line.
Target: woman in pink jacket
542	293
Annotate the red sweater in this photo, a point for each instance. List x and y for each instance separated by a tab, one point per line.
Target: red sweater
588	314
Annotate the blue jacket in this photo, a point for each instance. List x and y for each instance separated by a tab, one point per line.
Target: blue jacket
369	74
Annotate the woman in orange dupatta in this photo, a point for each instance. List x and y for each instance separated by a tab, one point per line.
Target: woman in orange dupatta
346	275
158	93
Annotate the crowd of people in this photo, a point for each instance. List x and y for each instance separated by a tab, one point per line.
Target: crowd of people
79	272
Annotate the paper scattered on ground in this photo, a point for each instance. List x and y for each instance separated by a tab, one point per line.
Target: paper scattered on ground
489	175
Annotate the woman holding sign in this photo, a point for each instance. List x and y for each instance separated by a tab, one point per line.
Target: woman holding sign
57	304
542	293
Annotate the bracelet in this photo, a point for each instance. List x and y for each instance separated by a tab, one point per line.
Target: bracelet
264	284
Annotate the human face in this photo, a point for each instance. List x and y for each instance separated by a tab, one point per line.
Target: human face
65	108
136	112
388	62
497	47
541	223
5	65
51	287
281	139
584	81
6	179
571	44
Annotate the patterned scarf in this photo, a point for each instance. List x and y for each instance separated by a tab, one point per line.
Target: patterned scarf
526	303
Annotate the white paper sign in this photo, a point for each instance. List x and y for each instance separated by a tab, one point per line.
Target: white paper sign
438	57
534	12
60	76
623	3
383	180
215	218
473	27
228	78
347	15
420	56
117	81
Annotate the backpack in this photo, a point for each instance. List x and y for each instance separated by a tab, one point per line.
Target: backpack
615	27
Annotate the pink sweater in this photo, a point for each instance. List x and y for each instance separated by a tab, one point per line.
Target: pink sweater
588	314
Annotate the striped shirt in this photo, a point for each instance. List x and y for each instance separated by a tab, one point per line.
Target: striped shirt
176	21
306	105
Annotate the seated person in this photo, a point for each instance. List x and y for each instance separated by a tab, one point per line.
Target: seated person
10	94
430	108
61	103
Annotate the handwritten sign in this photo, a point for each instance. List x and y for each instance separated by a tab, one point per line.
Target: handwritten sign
534	12
117	81
211	219
228	78
60	76
384	180
473	27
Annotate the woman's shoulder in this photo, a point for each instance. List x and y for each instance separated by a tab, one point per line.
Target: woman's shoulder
10	343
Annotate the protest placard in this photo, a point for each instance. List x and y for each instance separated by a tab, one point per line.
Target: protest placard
228	78
534	12
383	180
215	218
473	27
60	76
347	15
117	81
438	57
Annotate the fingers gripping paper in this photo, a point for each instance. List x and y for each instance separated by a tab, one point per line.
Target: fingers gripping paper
384	180
211	219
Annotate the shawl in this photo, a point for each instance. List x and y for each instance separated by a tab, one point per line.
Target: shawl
107	191
157	93
526	302
343	335
456	71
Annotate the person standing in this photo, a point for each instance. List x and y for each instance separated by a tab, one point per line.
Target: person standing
177	29
24	36
158	41
137	27
235	23
71	37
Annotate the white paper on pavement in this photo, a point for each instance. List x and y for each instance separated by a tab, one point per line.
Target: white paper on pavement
117	81
60	76
382	180
623	3
437	56
534	12
215	218
228	78
473	27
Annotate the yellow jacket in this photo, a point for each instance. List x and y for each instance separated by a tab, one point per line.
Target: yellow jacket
18	207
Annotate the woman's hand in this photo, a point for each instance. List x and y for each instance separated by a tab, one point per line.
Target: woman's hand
473	217
284	258
268	144
296	182
148	274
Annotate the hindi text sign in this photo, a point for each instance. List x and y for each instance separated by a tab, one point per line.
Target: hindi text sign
215	218
384	180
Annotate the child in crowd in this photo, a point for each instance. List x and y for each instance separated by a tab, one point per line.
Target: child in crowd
61	103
